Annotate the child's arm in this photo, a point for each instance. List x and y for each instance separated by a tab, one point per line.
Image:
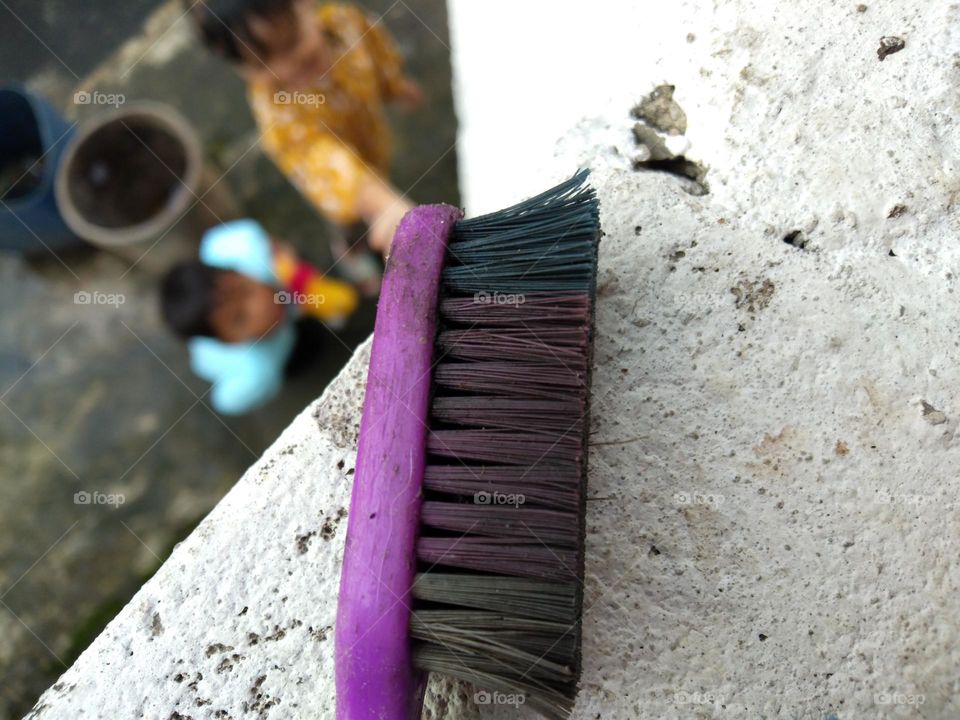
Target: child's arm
383	208
342	186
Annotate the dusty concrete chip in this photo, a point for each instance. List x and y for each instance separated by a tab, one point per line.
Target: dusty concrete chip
890	44
660	118
753	295
932	415
654	144
660	111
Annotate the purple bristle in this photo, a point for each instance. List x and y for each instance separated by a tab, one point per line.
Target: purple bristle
531	559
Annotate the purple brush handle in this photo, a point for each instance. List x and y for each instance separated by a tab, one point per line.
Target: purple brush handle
375	675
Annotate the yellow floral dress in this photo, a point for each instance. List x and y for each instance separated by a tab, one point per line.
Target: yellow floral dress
328	138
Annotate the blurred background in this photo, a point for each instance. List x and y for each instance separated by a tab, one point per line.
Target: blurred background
96	396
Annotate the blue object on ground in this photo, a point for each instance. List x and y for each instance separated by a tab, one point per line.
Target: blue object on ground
244	375
31	128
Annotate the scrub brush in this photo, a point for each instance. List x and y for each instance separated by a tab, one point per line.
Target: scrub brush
465	545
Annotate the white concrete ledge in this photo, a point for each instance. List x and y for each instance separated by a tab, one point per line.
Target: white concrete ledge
773	519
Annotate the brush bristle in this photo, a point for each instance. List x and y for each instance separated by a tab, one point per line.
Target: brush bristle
499	597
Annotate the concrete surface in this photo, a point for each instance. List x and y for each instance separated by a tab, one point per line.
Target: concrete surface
773	520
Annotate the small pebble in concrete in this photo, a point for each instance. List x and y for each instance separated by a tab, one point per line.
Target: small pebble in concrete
303	542
932	415
753	295
661	112
890	44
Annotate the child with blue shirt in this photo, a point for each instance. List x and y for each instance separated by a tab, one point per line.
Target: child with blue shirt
237	308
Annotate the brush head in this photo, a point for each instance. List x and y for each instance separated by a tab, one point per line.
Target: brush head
498	597
464	550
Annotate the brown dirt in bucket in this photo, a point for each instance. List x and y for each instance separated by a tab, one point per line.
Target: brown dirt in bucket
126	173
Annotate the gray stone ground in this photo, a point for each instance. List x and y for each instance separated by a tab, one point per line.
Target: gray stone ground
100	399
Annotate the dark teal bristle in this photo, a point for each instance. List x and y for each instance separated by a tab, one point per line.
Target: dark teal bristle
499	596
545	244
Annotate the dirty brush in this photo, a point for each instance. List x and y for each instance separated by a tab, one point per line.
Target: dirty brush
465	546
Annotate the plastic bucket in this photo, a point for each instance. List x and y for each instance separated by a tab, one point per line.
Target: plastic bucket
129	175
33	140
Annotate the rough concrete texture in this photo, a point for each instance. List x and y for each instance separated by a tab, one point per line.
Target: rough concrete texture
773	519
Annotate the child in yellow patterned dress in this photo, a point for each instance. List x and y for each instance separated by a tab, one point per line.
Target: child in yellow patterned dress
319	79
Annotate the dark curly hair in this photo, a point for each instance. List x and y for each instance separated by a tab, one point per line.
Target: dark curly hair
188	298
225	24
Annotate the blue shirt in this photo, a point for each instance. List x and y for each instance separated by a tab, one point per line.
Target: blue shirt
244	375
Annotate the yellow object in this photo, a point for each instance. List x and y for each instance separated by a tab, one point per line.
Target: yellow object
319	296
328	138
